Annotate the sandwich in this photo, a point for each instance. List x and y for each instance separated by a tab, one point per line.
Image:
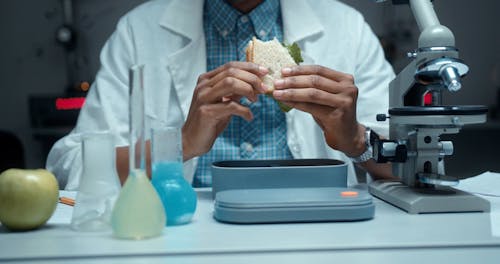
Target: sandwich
274	56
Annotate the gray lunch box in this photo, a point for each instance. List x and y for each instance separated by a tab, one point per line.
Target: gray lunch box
278	191
265	174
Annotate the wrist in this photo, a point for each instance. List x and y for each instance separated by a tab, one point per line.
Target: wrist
364	149
187	153
359	142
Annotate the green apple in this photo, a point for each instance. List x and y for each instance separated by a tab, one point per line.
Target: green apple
28	198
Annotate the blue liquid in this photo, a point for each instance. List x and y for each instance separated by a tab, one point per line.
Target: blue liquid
176	194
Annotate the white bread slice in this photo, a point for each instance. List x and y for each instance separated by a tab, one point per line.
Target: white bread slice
272	55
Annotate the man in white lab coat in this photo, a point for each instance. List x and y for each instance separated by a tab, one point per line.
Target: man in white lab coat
334	100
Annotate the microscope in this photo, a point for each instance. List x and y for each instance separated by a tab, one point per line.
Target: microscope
417	118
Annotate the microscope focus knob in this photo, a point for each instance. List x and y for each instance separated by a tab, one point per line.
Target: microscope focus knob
389	151
382	117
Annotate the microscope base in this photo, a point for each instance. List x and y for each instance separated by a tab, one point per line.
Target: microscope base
417	201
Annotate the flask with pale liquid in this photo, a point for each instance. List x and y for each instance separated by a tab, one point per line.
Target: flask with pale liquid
138	213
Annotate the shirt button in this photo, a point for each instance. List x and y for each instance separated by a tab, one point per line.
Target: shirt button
244	19
262	33
295	148
246	147
224	32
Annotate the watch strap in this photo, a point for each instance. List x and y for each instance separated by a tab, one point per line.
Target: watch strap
368	153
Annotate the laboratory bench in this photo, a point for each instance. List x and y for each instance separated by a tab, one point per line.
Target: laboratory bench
392	236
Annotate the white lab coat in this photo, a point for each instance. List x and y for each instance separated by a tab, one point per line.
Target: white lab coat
168	37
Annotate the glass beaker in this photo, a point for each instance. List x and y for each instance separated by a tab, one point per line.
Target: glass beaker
177	195
138	212
99	184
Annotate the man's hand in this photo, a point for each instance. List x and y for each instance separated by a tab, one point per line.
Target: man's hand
330	97
215	99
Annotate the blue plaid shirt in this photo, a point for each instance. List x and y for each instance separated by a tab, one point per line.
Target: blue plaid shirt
227	33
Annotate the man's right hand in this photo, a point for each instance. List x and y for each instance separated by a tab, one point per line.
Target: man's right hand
215	99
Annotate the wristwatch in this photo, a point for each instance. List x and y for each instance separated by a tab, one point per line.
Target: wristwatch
368	153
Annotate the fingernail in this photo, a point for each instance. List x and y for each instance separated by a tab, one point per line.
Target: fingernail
263	69
278	93
279	83
286	70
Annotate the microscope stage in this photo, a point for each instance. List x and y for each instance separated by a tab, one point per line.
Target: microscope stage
439	110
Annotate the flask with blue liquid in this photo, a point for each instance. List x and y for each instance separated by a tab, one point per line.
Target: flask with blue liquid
176	194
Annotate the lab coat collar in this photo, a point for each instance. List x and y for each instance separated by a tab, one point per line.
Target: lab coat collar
184	17
299	29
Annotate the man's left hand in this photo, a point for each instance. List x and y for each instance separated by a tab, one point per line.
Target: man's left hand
330	97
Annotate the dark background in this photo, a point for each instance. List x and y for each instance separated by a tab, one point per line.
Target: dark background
34	64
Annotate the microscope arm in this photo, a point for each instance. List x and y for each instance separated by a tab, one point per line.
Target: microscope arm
433	34
423	12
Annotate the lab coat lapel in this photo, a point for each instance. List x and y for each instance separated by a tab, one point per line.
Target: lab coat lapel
297	27
185	67
186	64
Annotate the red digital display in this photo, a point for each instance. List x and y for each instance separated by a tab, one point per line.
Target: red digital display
70	103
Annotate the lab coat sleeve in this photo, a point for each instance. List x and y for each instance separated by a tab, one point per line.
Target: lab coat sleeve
372	76
105	109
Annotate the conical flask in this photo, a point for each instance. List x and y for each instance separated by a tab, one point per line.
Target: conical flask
177	195
138	212
99	184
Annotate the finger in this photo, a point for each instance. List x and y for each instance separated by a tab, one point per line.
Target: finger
230	87
236	98
248	77
306	81
223	110
317	111
317	70
242	65
311	95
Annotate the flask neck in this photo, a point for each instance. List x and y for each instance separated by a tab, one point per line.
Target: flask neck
166	170
98	153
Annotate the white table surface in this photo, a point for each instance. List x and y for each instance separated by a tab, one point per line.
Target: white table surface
393	236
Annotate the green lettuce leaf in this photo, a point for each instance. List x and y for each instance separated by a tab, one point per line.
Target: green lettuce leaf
294	51
285	108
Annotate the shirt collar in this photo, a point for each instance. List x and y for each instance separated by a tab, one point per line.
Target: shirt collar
224	16
264	17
